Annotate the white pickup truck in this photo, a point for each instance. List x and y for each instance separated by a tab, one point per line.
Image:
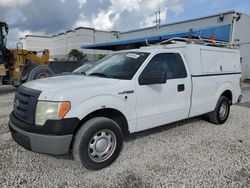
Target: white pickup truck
128	91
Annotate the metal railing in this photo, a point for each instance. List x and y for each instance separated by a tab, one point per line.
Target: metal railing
200	41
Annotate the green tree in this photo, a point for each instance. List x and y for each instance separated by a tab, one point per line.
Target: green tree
76	55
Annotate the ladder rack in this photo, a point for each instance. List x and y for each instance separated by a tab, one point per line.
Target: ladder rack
199	41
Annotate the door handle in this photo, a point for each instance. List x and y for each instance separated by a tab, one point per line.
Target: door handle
181	87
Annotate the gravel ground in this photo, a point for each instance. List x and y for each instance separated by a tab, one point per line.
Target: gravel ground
188	153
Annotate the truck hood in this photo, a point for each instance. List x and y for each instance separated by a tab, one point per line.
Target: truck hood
79	88
66	82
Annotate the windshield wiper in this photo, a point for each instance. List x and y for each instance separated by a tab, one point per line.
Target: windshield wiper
99	75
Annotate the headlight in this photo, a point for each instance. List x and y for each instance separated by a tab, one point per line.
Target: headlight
50	110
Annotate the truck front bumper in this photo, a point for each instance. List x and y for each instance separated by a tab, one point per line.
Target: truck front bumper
55	142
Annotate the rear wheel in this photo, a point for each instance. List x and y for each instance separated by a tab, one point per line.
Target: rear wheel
221	112
98	143
39	72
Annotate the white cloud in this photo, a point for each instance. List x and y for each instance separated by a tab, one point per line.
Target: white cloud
81	3
147	22
21	34
105	20
83	22
140	11
154	5
48	17
15	34
121	5
176	7
13	3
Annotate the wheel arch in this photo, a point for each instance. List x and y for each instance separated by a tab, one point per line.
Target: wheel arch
228	94
225	90
110	113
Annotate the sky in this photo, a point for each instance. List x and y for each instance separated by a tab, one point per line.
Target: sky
48	17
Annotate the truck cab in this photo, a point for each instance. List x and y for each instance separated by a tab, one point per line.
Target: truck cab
128	91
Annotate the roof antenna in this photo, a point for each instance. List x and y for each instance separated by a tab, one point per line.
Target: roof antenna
157	20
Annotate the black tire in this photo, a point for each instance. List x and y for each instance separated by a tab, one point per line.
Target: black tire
27	69
217	117
39	72
93	135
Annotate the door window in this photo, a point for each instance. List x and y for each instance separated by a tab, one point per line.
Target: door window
171	63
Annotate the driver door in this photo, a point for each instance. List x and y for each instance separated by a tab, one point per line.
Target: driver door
159	104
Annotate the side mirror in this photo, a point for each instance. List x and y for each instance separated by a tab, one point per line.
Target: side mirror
156	77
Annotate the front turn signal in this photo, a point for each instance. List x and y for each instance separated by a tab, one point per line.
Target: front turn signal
64	107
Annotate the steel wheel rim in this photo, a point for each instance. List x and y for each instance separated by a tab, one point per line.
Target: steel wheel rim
102	145
223	110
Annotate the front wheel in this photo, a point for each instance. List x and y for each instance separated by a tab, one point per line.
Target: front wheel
98	143
221	112
39	72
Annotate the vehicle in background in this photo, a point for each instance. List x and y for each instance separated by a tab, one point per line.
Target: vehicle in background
80	70
127	92
18	65
86	66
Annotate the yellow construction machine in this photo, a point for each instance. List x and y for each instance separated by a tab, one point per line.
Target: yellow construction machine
19	65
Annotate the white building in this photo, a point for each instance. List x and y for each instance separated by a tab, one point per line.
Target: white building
230	26
61	44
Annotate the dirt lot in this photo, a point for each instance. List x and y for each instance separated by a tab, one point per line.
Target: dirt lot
188	153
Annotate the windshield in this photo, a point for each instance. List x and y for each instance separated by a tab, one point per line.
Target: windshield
121	65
